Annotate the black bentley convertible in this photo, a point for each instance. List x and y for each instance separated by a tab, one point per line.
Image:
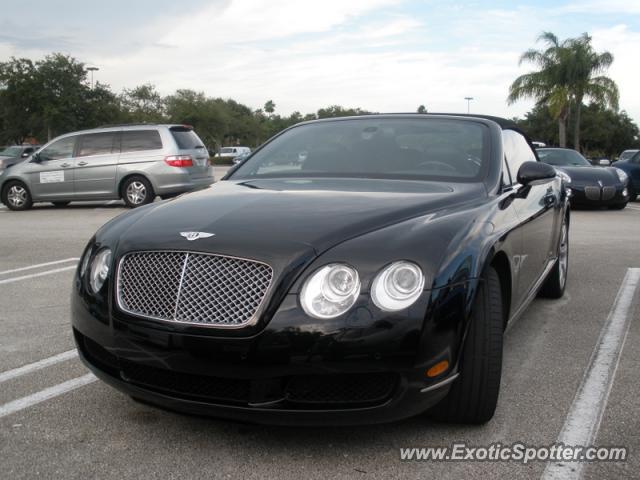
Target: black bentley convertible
590	185
351	270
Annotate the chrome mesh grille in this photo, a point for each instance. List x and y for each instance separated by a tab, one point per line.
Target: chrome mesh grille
193	288
592	193
608	193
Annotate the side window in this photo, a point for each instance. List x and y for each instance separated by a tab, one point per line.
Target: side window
95	144
635	158
516	150
58	150
139	140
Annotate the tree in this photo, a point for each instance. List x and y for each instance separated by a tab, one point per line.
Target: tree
143	104
19	87
270	107
50	97
422	109
549	84
606	132
203	113
586	82
567	74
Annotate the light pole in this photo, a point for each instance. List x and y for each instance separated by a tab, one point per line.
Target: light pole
92	69
468	99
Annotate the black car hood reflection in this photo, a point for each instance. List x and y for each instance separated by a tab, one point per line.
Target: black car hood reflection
254	219
589	175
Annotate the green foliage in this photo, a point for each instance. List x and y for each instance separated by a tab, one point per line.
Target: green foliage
605	132
568	72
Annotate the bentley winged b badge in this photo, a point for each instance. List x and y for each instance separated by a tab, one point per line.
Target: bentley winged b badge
191	236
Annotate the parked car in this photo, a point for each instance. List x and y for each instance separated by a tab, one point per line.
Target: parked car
232	152
241	158
627	155
134	163
632	168
16	153
370	282
590	185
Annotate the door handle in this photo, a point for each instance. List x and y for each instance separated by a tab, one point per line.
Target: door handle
82	164
65	165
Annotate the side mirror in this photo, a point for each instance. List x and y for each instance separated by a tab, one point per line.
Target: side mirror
530	172
35	158
604	162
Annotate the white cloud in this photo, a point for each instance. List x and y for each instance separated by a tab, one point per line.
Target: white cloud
383	55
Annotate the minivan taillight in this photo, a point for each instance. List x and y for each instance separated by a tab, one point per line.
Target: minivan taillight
179	161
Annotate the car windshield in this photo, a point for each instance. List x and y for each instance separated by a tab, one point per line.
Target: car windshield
11	151
563	158
627	154
416	148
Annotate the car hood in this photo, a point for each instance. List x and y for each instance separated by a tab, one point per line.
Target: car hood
261	218
586	175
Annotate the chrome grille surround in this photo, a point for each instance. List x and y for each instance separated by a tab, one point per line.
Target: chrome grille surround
608	193
192	288
592	193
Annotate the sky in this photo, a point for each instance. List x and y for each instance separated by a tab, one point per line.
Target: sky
379	55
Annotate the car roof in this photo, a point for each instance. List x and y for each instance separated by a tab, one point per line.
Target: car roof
127	126
504	123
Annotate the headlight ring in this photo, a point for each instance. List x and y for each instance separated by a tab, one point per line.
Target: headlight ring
330	291
99	271
397	286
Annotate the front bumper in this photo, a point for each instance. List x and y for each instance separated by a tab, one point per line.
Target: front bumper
598	196
356	374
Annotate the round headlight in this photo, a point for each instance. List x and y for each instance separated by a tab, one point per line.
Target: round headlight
330	291
622	175
99	269
398	286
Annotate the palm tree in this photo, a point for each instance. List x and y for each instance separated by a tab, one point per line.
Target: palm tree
549	84
569	72
586	67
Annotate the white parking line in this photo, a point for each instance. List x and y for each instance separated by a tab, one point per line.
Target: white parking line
40	364
46	394
39	274
38	265
584	417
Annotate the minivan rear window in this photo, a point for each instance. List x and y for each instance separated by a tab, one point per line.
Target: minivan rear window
138	140
186	138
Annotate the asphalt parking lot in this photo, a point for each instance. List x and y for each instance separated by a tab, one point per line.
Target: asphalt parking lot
56	421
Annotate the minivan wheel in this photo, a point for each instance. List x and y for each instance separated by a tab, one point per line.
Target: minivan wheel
16	196
137	191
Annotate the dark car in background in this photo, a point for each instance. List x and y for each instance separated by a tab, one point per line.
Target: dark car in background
631	166
368	282
590	185
16	153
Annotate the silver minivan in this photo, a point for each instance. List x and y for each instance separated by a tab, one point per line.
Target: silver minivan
134	163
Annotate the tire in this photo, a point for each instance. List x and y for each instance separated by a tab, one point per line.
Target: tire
136	191
60	204
474	395
16	196
618	206
556	281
